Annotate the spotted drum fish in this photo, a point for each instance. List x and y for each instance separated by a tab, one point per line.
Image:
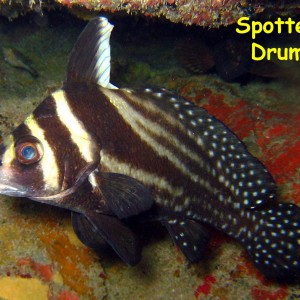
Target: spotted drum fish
109	154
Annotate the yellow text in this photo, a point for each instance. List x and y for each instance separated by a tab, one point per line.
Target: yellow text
259	53
257	27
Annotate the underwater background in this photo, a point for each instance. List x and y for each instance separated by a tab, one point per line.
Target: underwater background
41	258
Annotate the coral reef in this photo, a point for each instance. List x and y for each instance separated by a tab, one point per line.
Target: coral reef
40	256
212	13
15	8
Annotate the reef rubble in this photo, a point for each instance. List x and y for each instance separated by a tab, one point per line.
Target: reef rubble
210	13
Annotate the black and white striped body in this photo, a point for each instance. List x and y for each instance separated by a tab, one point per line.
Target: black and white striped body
195	167
109	154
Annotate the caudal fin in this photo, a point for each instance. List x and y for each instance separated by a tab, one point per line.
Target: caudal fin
274	245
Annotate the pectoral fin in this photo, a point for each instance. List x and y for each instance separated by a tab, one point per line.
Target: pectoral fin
191	237
95	229
123	195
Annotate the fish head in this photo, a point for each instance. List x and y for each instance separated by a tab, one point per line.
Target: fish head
51	153
41	159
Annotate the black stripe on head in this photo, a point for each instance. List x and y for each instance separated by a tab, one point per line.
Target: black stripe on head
68	158
21	131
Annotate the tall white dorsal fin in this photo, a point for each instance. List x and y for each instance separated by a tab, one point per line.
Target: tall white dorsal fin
90	58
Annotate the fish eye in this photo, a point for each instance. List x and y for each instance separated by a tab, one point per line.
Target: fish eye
28	151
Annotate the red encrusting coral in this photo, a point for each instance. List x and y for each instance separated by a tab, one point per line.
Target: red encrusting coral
44	271
67	295
205	288
262	293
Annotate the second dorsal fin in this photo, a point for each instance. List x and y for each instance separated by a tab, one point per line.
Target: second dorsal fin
90	58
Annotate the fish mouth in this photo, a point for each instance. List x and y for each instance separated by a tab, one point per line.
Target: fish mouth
85	172
12	191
